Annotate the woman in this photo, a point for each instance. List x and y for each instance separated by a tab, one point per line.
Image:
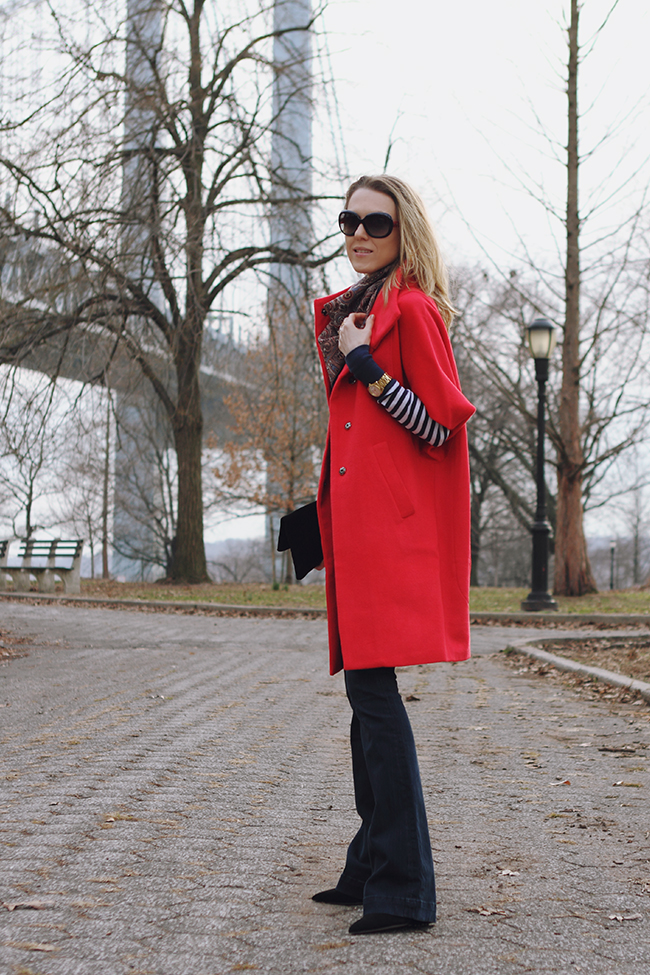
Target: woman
393	508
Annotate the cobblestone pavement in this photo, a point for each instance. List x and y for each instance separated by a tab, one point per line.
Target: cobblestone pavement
176	787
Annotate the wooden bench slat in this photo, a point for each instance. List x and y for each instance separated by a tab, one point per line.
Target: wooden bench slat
46	547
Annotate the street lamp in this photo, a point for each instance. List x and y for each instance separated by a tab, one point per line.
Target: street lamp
541	339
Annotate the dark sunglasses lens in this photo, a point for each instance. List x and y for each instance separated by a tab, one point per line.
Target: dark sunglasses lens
378	224
348	222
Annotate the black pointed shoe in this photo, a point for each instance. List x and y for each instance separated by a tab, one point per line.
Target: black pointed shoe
376	923
335	896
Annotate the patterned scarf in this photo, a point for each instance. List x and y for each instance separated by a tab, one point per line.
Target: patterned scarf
359	298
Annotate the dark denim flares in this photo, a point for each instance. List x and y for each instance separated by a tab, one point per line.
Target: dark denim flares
389	861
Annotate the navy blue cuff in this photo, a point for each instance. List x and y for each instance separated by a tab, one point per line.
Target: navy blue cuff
362	365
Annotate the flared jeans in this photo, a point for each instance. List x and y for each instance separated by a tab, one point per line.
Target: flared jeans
389	862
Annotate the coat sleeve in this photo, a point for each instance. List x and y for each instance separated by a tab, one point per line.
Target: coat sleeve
428	362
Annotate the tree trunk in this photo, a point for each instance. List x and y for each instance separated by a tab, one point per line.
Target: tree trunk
107	448
573	575
188	552
188	558
475	537
28	511
274	578
288	578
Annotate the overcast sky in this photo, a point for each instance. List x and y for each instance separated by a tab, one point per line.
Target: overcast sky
460	84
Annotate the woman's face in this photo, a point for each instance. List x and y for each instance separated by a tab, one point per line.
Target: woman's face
367	254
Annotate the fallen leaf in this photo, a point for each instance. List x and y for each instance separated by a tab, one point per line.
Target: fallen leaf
509	873
486	911
566	782
28	906
31	946
627	749
412	697
625	917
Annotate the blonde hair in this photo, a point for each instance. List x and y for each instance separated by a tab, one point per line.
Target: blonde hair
420	259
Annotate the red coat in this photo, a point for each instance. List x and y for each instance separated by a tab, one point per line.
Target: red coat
393	511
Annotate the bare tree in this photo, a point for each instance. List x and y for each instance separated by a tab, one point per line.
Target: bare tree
573	575
240	560
143	184
85	475
34	430
279	420
638	546
602	315
54	466
497	373
145	523
597	403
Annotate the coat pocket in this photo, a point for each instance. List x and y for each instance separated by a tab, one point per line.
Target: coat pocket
393	479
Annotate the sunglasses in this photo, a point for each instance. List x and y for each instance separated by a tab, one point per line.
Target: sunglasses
376	224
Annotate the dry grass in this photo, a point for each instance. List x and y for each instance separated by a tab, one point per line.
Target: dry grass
240	594
486	599
491	600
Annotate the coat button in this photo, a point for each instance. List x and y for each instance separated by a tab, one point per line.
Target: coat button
351	379
342	470
348	425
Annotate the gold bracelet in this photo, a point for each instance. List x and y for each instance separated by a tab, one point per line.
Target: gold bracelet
376	389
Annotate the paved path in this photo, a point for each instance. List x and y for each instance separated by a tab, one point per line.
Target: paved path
176	787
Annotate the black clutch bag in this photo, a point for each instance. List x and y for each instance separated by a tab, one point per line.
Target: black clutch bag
300	532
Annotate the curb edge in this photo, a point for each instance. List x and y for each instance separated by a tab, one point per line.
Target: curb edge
572	666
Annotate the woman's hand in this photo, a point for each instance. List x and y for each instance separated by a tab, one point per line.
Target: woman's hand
356	330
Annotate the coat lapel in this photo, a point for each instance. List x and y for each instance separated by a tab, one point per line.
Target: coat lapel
386	316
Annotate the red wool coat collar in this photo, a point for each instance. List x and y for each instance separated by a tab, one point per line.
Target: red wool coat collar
386	317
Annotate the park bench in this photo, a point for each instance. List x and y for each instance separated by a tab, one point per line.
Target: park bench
43	548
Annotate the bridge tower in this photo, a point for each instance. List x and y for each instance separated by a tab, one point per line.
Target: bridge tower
289	298
140	439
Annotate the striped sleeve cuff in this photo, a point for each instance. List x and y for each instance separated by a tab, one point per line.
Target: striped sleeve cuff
405	407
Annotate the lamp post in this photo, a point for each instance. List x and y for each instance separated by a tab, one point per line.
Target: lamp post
541	339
